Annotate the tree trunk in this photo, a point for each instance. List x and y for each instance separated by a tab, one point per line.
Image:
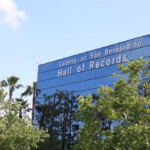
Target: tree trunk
33	107
52	125
51	137
10	96
70	127
20	112
64	126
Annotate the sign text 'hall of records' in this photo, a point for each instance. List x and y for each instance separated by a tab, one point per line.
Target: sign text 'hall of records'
95	64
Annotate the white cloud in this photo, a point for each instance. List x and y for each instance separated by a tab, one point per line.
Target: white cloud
12	15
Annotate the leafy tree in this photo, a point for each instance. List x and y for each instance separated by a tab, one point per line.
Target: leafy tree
2	95
126	108
16	133
12	84
32	90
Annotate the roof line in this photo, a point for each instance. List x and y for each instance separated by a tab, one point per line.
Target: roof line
95	49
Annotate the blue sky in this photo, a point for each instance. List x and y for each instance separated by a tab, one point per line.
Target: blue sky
39	31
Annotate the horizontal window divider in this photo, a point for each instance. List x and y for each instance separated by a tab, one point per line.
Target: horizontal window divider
82	90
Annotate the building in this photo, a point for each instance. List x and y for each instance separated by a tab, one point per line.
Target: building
85	72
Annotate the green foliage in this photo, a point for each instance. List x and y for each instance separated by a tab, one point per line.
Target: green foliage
2	95
24	107
16	133
126	108
32	90
12	84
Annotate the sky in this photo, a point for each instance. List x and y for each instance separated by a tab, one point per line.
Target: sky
39	31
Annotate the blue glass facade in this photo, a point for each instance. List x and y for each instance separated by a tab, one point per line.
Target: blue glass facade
85	72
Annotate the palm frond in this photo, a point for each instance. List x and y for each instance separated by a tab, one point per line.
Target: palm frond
34	86
27	92
19	100
3	83
24	103
19	86
12	80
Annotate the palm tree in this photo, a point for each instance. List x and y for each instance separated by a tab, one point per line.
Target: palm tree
11	82
24	107
31	90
